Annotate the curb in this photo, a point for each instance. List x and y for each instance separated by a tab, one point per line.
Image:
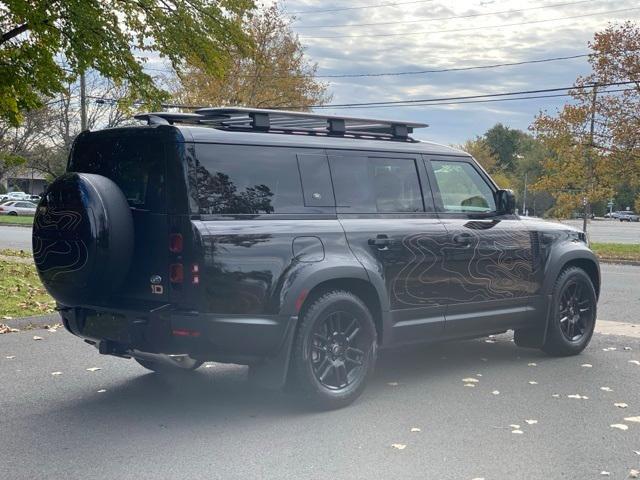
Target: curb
23	225
615	261
35	321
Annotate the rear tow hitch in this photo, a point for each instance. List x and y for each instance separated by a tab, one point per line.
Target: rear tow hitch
108	347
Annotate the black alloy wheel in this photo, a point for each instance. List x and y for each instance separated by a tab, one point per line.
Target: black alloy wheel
338	350
335	349
576	311
573	315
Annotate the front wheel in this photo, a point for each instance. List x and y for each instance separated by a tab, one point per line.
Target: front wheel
170	364
573	314
335	350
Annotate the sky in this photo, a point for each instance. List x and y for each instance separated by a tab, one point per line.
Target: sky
421	35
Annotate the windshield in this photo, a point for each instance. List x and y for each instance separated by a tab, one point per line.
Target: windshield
136	164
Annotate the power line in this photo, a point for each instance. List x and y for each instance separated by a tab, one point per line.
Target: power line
469	97
419	72
467	29
454	69
431	19
494	100
363	7
482	98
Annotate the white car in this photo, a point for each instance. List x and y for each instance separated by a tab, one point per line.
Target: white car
18	208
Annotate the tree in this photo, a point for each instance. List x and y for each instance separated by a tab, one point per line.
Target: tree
110	36
480	150
503	142
275	73
586	165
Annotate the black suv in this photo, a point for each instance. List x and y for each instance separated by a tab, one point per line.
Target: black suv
298	244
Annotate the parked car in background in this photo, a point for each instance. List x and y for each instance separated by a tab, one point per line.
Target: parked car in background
628	217
18	208
18	196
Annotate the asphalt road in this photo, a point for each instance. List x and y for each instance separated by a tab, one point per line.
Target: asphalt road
122	422
620	294
18	238
610	231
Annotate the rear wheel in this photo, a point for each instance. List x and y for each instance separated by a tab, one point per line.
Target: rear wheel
13	214
335	350
170	364
573	315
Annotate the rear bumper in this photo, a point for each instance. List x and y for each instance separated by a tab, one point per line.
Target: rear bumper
204	336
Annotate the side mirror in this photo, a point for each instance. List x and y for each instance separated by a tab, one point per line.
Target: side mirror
505	202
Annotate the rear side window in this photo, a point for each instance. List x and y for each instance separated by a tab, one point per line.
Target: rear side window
135	163
376	185
236	179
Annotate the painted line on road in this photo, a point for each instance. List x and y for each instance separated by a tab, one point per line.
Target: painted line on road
624	329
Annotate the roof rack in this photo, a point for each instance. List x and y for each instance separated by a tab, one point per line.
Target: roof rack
282	121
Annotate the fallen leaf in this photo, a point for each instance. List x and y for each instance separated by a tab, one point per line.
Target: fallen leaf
606	389
415	429
605	473
517	432
478	478
632	419
531	422
609	349
532	382
637	452
556	395
489	340
619	426
36	337
102	390
578	396
478	374
470	380
634	473
627	348
620	405
532	364
10	357
586	365
399	446
469	384
496	392
516	427
93	369
56	373
7	317
393	384
208	366
635	362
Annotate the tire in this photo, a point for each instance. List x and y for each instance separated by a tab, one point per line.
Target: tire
573	314
13	214
83	238
170	365
331	369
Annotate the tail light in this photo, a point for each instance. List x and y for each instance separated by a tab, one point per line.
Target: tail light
176	243
176	273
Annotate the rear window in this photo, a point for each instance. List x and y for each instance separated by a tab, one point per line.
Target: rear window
135	163
238	180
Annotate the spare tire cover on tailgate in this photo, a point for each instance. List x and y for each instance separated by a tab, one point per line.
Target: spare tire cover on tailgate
82	238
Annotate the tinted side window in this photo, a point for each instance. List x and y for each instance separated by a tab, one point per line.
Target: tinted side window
376	185
235	179
462	189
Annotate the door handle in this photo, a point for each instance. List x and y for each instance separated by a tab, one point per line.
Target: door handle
381	242
463	238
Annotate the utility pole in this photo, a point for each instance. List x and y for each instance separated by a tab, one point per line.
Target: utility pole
589	163
83	103
524	197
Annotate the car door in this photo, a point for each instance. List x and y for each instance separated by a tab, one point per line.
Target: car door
394	232
491	260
